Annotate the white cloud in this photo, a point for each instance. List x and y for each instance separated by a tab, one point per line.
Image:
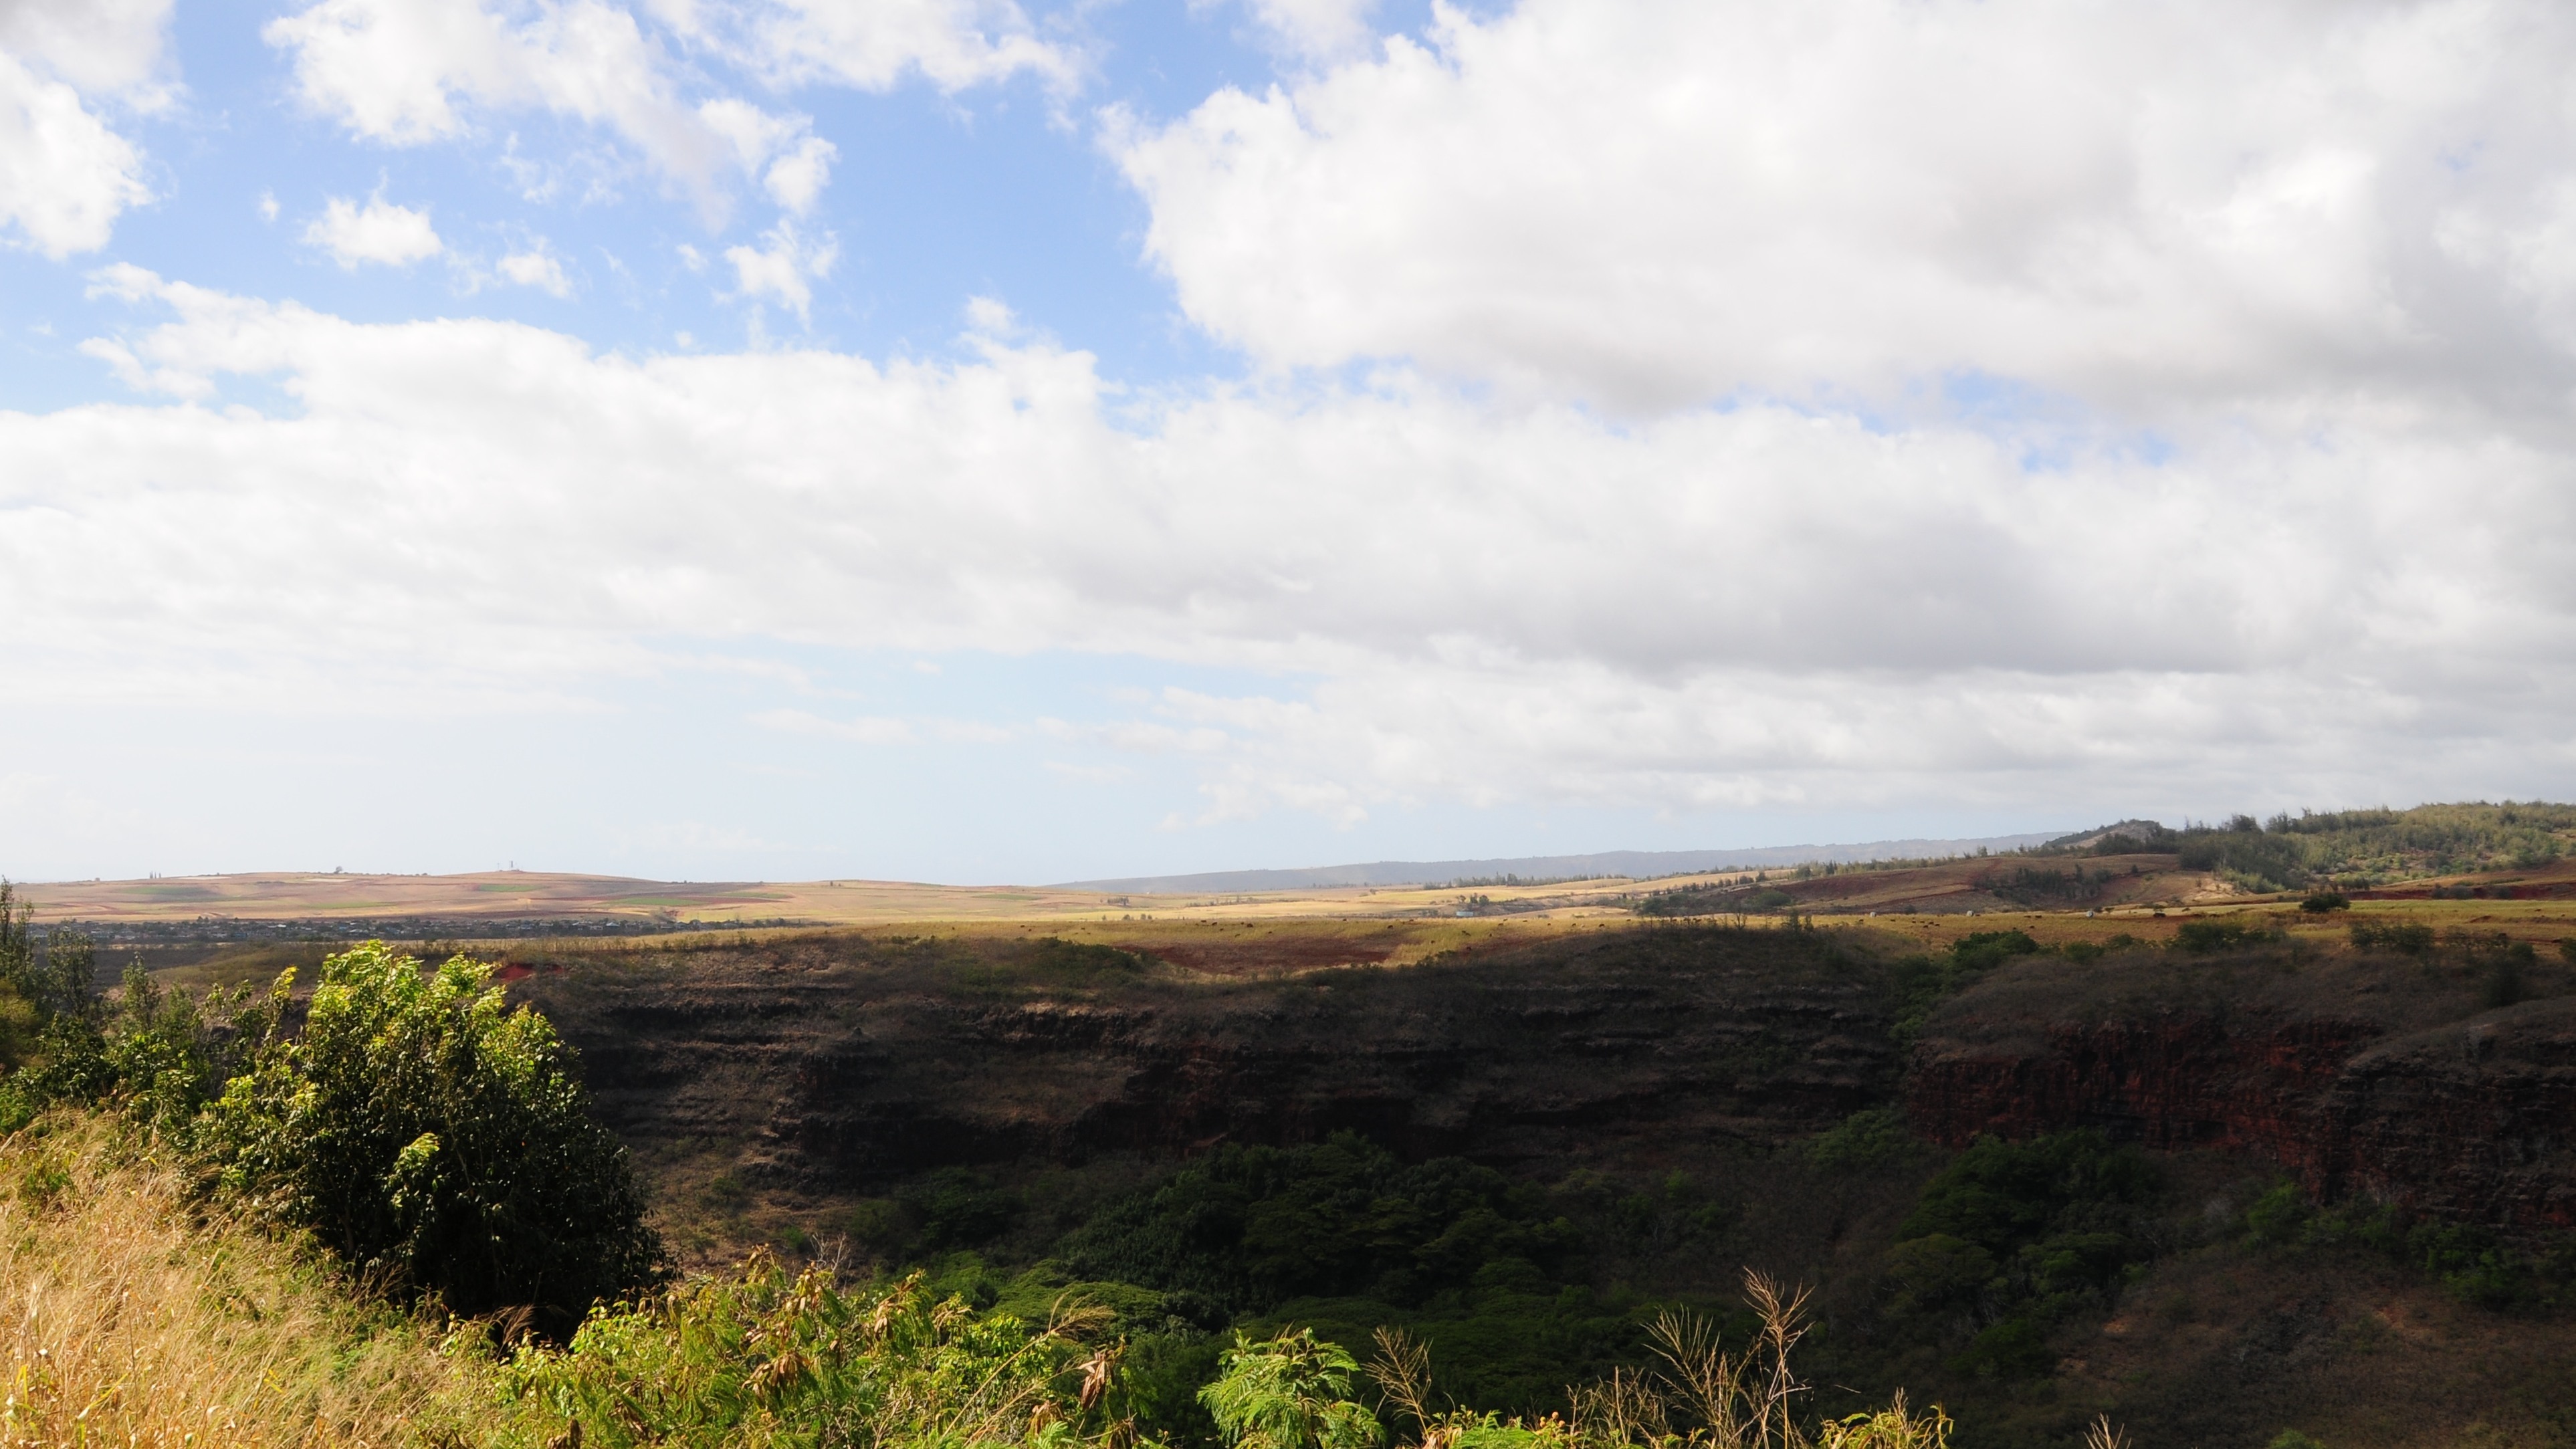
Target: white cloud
104	47
378	232
65	175
1315	29
413	71
796	178
537	267
874	44
1648	206
785	268
1493	601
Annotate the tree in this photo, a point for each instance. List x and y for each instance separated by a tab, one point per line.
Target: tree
438	1142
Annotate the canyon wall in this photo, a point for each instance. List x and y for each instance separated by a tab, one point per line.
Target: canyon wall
2381	1078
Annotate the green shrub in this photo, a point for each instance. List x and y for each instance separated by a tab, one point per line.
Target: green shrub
436	1142
762	1359
2279	1215
1290	1392
2321	902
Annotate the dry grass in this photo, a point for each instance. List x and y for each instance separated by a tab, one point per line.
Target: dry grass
127	1325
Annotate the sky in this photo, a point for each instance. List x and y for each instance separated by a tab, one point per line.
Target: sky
980	441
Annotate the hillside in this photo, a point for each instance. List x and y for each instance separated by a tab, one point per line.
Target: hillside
1684	1099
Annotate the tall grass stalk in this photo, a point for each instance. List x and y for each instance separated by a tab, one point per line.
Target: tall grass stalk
128	1319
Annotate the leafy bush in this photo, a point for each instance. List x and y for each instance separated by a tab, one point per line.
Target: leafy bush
761	1359
1294	1392
436	1142
2320	902
1290	1392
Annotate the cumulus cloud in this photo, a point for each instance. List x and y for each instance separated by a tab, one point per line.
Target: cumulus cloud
105	47
1760	605
412	71
1649	206
378	232
407	72
65	174
874	44
784	268
1314	29
537	267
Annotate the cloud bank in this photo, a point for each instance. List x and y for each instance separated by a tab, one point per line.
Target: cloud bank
1753	605
1862	403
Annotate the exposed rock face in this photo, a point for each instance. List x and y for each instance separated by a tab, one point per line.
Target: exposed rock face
858	1061
2374	1077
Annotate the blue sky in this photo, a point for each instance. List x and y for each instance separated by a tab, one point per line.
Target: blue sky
960	440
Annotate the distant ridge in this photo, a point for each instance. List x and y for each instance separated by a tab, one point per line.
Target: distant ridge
1634	863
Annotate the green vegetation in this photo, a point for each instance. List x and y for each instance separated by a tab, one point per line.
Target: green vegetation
2471	1262
434	1139
2011	1238
1920	983
1715	899
2355	847
436	1142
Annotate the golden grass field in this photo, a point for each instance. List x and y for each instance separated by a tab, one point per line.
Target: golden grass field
1933	904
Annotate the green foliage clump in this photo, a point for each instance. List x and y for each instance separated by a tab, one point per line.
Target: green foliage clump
763	1360
2023	1233
1864	1139
1290	1392
2431	839
2319	903
1294	1391
437	1142
2243	852
1252	1227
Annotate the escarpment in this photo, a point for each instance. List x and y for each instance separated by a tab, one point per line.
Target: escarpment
2379	1077
856	1061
